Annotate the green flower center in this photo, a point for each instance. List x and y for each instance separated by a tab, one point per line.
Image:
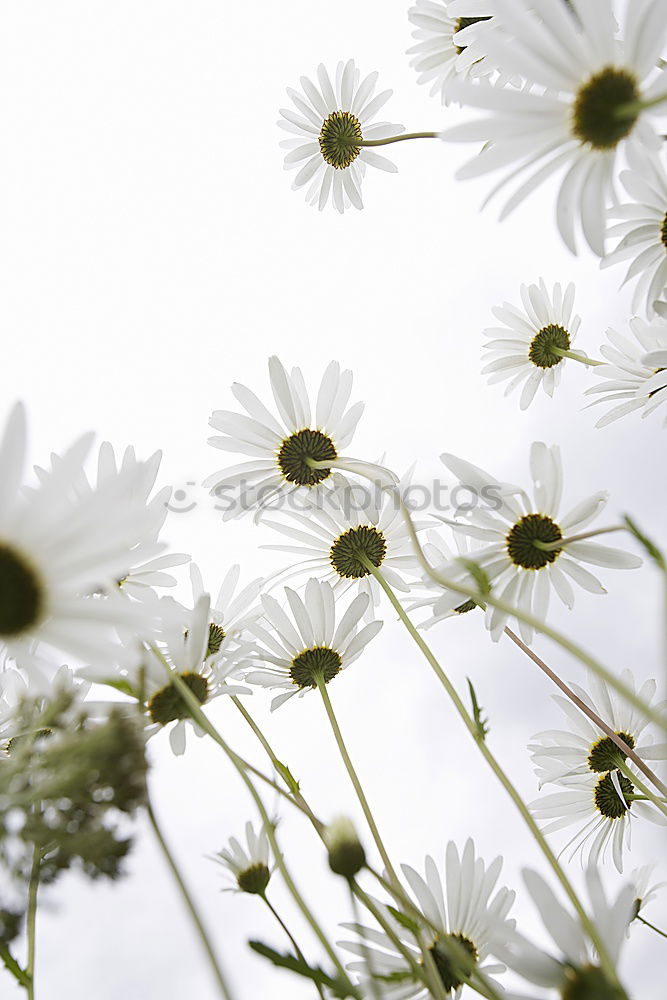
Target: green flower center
522	537
465	22
450	970
168	704
595	115
605	755
607	800
21	595
312	664
464	608
588	983
254	879
300	447
346	552
216	637
541	351
339	139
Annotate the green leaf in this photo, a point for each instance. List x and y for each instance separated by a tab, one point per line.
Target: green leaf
405	921
120	685
478	575
19	974
480	723
650	547
287	776
339	986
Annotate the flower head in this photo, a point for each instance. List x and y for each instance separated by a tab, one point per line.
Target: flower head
635	376
250	865
328	125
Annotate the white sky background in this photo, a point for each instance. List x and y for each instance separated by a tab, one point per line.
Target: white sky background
152	252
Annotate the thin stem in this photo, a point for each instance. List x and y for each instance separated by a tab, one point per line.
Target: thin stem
575	357
13	966
31	921
633	108
652	926
397	138
189	903
562	542
588	711
473	592
297	951
643	788
363	801
591	930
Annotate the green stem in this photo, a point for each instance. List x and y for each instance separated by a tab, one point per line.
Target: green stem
562	542
594	665
13	966
363	801
643	788
297	951
652	926
575	357
397	138
31	921
633	108
588	712
190	906
592	932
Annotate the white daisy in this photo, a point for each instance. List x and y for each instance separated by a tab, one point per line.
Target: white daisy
232	615
583	747
353	521
57	548
293	650
462	912
442	603
249	866
329	122
528	348
642	229
576	971
635	377
280	447
521	572
579	76
450	48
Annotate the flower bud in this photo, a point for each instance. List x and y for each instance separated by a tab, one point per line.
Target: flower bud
346	854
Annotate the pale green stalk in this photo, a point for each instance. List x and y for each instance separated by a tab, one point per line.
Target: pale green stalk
652	926
562	542
575	357
397	138
297	951
633	108
31	921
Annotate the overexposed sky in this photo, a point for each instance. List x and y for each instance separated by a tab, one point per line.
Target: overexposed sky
152	252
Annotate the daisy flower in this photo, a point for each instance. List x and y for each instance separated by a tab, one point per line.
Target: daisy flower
450	48
57	548
294	649
328	125
521	572
233	613
461	911
355	521
528	350
583	747
582	102
642	228
281	447
576	971
635	376
440	602
249	864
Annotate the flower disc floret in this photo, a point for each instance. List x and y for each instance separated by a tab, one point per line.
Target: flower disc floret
607	799
541	351
254	879
523	535
298	449
589	983
21	597
597	116
216	637
167	705
339	139
349	551
605	755
450	970
320	662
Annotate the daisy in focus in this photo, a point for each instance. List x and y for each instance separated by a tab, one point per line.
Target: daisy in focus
527	552
59	548
589	93
642	228
450	48
635	376
462	917
530	349
295	450
328	124
248	865
232	615
313	642
576	971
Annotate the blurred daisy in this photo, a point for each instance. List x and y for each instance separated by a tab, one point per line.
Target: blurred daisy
281	447
579	105
450	48
58	548
583	747
635	377
645	891
642	229
356	522
576	971
441	603
15	689
248	865
329	122
523	573
295	649
528	349
459	911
